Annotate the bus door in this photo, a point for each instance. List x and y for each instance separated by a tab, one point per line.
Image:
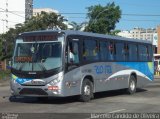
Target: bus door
72	67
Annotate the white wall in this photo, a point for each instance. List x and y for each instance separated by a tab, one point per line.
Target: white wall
15	6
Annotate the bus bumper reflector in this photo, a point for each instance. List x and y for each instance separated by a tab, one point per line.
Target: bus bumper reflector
53	88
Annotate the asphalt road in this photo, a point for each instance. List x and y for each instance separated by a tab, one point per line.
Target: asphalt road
144	101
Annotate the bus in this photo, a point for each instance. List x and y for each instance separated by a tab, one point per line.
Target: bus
65	63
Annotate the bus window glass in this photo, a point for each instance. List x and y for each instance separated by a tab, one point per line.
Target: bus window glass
90	50
126	52
143	56
73	54
103	51
150	53
133	52
37	56
112	51
120	52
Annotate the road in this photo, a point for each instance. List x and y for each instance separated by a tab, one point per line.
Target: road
145	100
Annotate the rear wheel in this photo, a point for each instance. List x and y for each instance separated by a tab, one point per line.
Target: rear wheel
86	90
132	85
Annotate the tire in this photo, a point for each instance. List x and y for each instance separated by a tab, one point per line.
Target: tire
132	85
86	91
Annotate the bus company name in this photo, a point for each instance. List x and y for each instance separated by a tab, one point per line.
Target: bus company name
103	69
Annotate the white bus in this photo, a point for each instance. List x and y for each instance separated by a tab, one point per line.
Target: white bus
67	63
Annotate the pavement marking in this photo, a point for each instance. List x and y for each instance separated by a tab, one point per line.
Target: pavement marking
117	110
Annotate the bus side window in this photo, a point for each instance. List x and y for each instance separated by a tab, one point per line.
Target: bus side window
133	52
73	52
142	53
120	56
103	50
90	50
150	56
112	51
126	52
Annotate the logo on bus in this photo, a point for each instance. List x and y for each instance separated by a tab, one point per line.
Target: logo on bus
38	82
103	69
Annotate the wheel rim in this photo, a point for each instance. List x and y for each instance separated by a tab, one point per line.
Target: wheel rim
87	90
132	85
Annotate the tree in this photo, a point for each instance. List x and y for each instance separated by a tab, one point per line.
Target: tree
40	22
77	26
115	32
103	19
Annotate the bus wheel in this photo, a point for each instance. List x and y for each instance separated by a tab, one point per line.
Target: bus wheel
132	85
86	91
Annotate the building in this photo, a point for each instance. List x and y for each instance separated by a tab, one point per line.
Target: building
28	9
139	33
125	34
39	10
145	34
3	65
49	10
158	34
13	12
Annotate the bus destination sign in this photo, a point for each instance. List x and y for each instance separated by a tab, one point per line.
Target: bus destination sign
39	38
23	59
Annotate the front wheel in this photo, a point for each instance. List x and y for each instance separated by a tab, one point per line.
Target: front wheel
132	85
86	91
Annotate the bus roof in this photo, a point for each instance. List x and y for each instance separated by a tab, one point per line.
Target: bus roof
72	32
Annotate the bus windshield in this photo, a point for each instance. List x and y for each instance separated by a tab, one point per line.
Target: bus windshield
37	56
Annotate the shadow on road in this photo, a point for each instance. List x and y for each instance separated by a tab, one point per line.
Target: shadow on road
71	99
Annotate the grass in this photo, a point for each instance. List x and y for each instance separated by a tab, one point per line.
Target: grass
4	75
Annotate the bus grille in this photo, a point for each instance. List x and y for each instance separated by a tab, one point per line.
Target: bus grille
32	91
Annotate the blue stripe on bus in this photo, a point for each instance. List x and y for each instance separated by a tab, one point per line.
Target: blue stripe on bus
22	80
144	67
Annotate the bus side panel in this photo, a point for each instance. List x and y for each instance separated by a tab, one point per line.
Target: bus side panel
72	82
107	76
143	70
106	79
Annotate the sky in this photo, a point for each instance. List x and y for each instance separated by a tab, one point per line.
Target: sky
150	9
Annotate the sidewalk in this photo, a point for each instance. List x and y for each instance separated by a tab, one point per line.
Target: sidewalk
156	77
5	82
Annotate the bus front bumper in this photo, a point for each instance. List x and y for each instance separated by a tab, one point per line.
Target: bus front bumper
35	91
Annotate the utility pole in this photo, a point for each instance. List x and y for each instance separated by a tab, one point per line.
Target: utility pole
6	15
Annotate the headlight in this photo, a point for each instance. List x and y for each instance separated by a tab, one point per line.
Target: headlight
55	81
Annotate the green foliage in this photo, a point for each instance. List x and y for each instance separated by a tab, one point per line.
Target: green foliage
42	21
4	75
114	32
77	26
103	19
